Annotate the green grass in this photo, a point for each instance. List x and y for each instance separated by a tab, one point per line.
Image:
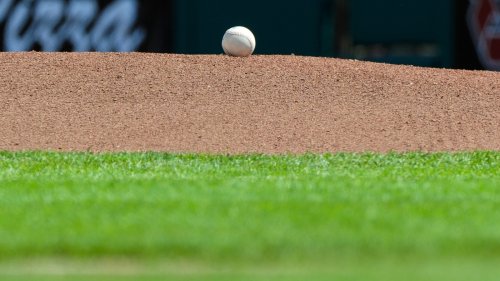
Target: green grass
149	216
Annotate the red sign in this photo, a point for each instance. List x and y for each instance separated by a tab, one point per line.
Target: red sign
484	24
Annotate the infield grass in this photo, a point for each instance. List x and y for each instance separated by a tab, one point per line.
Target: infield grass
154	216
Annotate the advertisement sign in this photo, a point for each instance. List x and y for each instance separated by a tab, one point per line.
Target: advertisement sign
83	25
484	24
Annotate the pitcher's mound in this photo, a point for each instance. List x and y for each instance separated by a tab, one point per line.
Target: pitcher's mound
219	104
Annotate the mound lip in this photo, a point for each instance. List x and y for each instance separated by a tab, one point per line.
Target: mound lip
262	104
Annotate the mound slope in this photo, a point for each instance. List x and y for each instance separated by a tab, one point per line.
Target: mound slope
217	104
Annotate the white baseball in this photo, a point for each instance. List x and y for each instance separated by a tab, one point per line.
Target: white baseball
238	41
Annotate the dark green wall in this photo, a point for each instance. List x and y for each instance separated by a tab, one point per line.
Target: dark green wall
420	32
280	26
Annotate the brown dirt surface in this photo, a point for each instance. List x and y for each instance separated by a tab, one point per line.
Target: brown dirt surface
262	104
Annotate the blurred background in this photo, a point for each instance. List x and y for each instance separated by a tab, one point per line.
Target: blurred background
437	33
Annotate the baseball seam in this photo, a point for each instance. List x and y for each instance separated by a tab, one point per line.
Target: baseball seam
244	36
252	45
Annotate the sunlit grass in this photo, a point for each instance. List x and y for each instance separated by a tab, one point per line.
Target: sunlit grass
293	212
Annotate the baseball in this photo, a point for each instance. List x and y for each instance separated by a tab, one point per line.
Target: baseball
238	41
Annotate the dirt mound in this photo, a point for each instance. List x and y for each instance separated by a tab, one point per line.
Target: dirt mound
219	104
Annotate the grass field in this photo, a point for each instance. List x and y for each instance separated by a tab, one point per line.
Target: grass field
153	216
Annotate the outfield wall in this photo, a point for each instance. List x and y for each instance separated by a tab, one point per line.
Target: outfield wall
436	33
